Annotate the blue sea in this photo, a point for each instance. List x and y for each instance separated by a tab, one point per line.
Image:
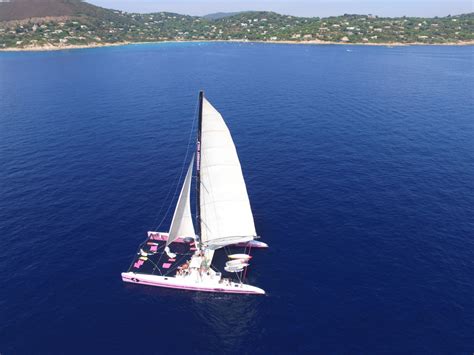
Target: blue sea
359	163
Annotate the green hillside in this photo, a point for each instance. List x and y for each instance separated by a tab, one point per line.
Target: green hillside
80	23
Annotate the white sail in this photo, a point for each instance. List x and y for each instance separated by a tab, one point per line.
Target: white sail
182	223
226	216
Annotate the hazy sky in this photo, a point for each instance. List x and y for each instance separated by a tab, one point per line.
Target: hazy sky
320	8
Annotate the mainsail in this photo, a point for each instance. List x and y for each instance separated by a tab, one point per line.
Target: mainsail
182	223
225	212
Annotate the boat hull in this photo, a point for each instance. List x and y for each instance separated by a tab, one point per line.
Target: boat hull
191	285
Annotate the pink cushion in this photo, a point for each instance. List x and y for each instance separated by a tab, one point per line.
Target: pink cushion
137	265
154	248
166	265
171	260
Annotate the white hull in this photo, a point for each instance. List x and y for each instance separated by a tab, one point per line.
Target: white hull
191	283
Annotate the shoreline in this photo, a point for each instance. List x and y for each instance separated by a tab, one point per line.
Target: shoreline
314	42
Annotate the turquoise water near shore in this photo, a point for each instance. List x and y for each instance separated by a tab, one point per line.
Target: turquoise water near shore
360	171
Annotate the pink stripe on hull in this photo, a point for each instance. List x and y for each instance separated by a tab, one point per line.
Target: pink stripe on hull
221	290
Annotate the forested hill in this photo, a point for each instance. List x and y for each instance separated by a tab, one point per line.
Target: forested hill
12	10
219	15
35	23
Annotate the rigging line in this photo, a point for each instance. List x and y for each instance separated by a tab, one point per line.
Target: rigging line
245	273
156	267
163	205
176	264
159	259
137	253
239	277
133	262
180	176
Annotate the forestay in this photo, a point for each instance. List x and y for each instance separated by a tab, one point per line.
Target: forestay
226	216
182	223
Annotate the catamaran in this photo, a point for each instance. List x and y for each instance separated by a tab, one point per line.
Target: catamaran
215	258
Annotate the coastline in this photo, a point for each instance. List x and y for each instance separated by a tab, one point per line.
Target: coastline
314	42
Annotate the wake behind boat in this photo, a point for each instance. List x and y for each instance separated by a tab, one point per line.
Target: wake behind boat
214	258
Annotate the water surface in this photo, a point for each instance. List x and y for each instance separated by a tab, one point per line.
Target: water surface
360	171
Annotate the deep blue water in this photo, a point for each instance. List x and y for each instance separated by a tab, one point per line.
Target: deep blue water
360	171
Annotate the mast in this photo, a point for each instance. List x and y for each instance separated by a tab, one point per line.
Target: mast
198	168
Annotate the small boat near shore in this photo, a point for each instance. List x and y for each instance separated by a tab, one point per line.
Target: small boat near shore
189	259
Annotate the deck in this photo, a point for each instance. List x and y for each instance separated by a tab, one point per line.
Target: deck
157	262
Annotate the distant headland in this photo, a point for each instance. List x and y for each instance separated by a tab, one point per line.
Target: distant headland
63	24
